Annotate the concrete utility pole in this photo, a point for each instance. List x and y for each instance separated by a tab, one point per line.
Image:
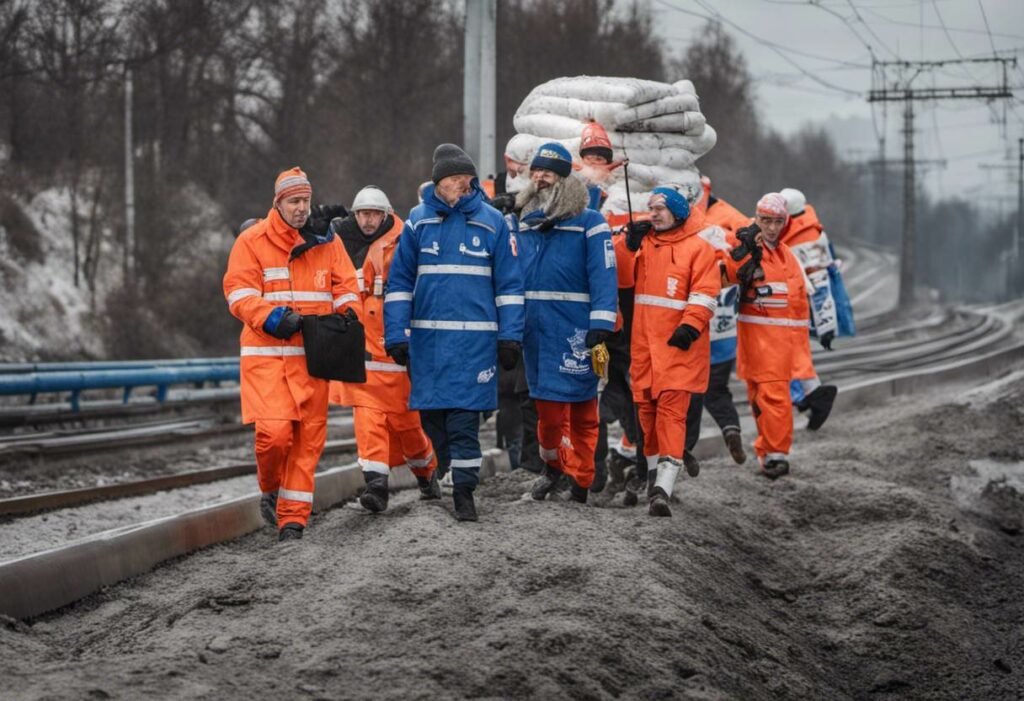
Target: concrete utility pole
129	181
479	89
907	94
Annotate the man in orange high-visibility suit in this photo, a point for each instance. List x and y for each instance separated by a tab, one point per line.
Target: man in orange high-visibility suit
388	433
677	285
771	305
281	268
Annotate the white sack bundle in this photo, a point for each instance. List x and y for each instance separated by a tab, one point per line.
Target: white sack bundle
632	91
666	105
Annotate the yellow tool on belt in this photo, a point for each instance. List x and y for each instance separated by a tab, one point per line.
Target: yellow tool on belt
599	359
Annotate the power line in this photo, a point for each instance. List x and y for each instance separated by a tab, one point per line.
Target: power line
935	27
988	29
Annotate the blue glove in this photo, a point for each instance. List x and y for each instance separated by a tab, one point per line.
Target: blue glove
282	323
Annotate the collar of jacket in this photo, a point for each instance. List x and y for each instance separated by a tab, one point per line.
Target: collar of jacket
694	224
279	232
348	229
807	219
467	204
569	199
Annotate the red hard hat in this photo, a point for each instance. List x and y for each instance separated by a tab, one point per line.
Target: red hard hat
595	139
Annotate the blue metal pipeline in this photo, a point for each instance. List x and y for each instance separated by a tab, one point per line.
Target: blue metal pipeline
76	381
76	366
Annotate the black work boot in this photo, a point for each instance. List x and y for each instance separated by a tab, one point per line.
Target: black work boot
617	465
290	531
429	488
543	485
600	476
632	488
268	507
375	497
734	442
691	463
776	468
577	493
659	503
819	402
465	507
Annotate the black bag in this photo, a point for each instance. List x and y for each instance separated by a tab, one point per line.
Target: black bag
335	347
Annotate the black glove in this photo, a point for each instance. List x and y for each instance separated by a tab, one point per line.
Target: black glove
749	273
826	339
290	322
508	354
683	337
595	336
748	244
505	202
328	211
635	232
399	353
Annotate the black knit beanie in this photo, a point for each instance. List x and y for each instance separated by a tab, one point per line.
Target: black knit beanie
449	159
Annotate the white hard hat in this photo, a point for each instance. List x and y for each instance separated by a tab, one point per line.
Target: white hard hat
520	148
795	200
371	197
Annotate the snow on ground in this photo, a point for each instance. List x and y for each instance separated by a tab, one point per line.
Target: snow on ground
858	576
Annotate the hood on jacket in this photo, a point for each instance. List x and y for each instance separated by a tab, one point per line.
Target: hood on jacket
567	199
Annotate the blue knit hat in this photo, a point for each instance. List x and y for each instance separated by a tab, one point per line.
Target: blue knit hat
554	157
674	201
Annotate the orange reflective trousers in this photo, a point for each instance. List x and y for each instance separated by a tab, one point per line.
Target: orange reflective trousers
386	440
663	421
567	433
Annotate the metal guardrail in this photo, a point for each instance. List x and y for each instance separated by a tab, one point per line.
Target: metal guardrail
80	366
128	378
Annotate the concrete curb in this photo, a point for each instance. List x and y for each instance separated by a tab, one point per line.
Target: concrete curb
41	582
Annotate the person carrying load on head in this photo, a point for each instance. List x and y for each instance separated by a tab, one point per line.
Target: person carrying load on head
388	433
282	269
571	302
453	309
828	306
677	286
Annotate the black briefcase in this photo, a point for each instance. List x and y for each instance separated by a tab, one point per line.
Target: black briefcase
335	347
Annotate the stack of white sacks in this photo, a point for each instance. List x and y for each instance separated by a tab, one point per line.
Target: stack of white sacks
657	126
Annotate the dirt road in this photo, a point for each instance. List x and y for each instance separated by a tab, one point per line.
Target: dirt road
862	575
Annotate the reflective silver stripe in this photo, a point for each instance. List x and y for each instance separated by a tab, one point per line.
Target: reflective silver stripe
454	325
779	288
431	220
771	321
359	279
502	300
603	316
420	462
551	296
374	466
242	293
275	274
482	225
655	301
273	350
770	302
398	297
569	228
481	270
294	296
703	300
467	462
595	230
548	453
295	495
381	366
349	297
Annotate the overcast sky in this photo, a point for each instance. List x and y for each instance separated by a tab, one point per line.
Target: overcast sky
820	71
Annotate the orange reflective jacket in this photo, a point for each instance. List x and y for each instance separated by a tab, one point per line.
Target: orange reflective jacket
766	343
726	216
677	282
803	228
387	383
260	277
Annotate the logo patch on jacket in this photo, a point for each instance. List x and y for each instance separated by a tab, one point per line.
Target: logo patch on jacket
576	362
513	244
609	254
320	279
672	284
434	250
486	376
